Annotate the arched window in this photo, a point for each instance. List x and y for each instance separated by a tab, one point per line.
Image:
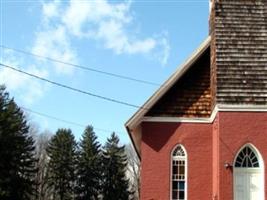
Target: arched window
247	158
178	173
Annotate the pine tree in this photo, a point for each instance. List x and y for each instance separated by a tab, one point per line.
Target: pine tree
115	185
89	175
61	152
18	163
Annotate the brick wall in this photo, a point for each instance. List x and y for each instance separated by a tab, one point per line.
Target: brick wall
208	146
157	143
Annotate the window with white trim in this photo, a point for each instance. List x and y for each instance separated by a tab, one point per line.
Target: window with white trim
247	158
178	173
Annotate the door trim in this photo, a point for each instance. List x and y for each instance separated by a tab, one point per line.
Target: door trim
250	170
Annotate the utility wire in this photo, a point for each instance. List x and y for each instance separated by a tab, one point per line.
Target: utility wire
63	120
52	117
82	67
72	88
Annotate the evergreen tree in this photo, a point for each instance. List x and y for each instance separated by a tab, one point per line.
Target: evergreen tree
17	165
115	184
89	175
61	152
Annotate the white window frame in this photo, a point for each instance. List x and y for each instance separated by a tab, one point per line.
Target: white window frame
260	169
184	158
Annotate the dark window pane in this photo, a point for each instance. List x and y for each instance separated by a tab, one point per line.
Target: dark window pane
254	160
181	195
181	170
181	185
237	164
175	185
248	151
175	169
175	194
242	154
256	165
239	159
249	163
243	163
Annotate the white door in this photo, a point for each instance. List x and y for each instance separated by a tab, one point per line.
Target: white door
248	175
240	187
248	184
255	186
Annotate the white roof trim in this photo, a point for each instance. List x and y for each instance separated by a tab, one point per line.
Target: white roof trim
138	116
183	119
242	108
218	108
177	119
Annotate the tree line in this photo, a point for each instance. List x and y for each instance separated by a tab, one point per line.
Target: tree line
57	167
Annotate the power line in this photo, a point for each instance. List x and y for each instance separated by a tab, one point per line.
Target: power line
52	117
82	67
63	120
72	88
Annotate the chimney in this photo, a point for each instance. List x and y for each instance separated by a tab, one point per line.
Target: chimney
238	30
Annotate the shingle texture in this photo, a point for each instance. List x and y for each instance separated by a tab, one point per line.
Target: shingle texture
232	71
239	52
190	95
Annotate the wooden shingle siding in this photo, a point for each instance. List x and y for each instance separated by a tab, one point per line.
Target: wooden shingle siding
239	52
190	96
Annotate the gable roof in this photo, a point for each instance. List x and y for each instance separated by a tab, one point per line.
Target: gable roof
133	124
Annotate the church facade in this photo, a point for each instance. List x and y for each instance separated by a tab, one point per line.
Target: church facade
203	134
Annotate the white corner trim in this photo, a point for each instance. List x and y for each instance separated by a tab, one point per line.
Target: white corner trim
217	108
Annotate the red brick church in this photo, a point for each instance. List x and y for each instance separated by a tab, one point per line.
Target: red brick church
203	134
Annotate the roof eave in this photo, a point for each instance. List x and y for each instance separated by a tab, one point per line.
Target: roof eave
136	119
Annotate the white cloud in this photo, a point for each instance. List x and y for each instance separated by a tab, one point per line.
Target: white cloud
166	51
114	37
51	9
107	23
163	53
28	89
55	43
80	15
104	22
110	23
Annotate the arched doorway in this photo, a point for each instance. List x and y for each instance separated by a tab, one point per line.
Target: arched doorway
248	174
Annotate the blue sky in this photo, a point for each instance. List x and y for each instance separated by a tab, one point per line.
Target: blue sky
141	39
